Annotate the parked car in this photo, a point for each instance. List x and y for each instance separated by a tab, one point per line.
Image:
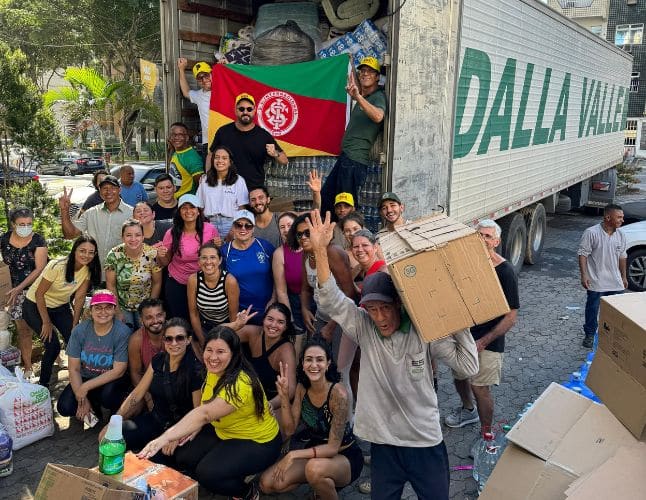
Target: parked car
20	177
634	211
636	249
72	162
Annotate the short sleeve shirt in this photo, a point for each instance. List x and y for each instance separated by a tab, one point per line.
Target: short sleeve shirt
188	163
249	150
98	353
603	252
185	262
161	226
202	99
134	276
243	423
60	290
362	132
21	261
223	199
163	213
134	193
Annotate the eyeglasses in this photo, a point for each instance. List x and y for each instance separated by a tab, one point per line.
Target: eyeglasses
203	77
104	307
302	234
242	225
242	109
169	339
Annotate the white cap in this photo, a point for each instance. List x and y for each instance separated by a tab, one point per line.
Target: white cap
115	432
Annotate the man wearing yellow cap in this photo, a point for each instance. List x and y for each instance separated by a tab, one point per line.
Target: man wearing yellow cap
201	98
250	144
366	121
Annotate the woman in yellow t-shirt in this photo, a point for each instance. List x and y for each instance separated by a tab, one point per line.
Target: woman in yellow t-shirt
47	304
232	434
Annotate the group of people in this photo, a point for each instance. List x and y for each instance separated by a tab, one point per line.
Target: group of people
219	328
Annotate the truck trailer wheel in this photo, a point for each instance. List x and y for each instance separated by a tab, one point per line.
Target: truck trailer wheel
513	240
536	223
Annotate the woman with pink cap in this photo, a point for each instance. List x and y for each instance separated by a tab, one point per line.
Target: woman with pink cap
97	360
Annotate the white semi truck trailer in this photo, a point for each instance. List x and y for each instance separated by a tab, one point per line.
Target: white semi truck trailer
498	109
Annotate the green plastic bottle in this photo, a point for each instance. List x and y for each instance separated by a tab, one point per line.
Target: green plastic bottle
112	448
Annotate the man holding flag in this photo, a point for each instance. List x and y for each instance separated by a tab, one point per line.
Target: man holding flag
366	121
249	143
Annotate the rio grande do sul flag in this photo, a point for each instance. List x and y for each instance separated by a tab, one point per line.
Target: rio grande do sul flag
304	105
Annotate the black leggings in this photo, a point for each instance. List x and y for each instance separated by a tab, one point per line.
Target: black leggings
176	299
221	465
62	319
109	396
139	430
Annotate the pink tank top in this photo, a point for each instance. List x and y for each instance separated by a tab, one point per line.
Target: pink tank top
293	269
147	349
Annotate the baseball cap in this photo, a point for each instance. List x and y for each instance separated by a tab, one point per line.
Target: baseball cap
344	198
110	179
244	214
378	286
103	297
245	96
389	196
371	62
201	67
189	198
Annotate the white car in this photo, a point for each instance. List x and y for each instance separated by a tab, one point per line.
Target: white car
636	249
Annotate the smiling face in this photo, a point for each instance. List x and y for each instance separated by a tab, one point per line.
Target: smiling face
179	138
242	230
189	213
284	224
109	193
209	261
102	314
245	111
302	235
349	228
217	356
258	201
84	253
221	161
133	237
153	318
274	324
368	77
363	251
165	191
176	340
391	211
315	363
204	81
143	213
385	315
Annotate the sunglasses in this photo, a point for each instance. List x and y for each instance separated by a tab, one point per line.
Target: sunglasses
169	339
302	234
243	225
242	109
203	77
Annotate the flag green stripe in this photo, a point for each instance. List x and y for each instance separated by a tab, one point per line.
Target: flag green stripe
297	78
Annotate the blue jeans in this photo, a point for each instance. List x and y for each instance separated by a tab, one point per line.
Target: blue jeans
592	311
347	176
222	224
426	468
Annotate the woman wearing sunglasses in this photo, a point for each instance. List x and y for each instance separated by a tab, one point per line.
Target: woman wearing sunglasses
173	379
249	259
222	191
97	358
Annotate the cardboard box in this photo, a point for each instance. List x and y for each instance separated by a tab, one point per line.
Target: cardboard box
563	436
66	481
618	371
162	479
444	275
5	284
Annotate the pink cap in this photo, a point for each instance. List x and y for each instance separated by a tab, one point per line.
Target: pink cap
103	297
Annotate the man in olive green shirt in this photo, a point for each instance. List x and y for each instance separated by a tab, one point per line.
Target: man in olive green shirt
366	121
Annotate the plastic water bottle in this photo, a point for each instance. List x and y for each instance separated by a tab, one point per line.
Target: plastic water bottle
477	449
112	448
6	453
487	459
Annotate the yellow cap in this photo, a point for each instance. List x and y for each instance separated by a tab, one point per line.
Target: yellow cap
246	97
344	198
201	67
371	62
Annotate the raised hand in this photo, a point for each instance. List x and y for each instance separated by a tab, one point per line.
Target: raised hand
181	63
314	181
282	382
321	232
352	88
65	201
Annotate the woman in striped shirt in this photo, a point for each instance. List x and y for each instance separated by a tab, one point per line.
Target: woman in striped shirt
213	294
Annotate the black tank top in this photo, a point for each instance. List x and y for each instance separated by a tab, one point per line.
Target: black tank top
265	372
319	420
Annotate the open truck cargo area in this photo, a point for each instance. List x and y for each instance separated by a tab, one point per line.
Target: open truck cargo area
498	109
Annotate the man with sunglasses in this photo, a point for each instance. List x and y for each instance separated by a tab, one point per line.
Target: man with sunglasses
250	144
201	98
366	121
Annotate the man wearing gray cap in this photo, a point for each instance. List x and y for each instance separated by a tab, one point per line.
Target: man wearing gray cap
103	222
397	410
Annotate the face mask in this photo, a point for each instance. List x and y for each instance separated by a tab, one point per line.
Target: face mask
24	231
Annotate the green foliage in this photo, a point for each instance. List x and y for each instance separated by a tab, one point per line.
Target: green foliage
627	174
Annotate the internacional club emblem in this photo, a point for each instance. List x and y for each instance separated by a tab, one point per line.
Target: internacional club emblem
277	112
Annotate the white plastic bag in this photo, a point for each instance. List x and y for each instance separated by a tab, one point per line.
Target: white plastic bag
25	410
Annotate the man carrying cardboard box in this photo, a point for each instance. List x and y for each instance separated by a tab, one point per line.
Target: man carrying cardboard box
397	410
490	341
602	263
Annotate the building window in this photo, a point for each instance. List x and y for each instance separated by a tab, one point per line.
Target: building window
629	141
631	124
634	81
629	34
596	30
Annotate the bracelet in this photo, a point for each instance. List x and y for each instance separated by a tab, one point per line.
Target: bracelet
314	450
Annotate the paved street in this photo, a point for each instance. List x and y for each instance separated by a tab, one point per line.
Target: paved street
543	347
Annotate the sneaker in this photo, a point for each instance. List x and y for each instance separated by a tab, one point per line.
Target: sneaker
365	487
588	341
461	417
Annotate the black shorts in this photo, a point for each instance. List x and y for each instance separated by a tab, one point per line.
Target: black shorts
355	456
